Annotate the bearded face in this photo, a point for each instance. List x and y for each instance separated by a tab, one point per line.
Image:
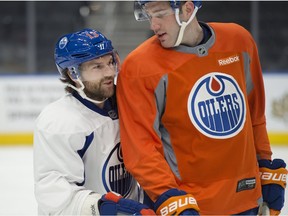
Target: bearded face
99	90
97	76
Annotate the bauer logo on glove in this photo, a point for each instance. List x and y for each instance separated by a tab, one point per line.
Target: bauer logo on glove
273	180
180	202
278	176
176	202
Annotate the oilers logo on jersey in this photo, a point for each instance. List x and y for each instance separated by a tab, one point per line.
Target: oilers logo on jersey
115	177
216	106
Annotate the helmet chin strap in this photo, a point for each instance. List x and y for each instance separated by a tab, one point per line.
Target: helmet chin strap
82	93
183	25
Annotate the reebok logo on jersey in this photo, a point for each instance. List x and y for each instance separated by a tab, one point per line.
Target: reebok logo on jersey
216	106
228	60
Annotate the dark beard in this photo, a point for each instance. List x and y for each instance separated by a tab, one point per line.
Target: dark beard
95	91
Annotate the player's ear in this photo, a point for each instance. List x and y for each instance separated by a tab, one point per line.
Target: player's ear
188	8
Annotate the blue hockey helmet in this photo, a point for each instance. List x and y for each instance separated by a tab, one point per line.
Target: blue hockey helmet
76	48
140	14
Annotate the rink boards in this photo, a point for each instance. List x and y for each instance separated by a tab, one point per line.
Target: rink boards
22	97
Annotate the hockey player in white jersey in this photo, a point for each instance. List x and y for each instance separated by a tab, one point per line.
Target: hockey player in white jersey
77	154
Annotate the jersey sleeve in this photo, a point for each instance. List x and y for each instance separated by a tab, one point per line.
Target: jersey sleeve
58	172
140	140
256	98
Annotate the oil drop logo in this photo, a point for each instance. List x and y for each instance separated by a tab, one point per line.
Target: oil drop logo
115	177
216	106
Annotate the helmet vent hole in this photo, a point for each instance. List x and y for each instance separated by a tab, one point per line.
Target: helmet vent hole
80	55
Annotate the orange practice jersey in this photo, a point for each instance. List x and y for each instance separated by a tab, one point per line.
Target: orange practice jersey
202	109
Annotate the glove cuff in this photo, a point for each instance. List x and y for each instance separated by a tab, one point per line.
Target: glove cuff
176	205
174	202
270	176
114	204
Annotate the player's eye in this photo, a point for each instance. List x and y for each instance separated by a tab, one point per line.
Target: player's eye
98	66
160	14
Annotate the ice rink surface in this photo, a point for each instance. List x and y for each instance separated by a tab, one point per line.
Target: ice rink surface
16	182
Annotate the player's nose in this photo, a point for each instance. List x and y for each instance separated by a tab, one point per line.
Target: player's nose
154	25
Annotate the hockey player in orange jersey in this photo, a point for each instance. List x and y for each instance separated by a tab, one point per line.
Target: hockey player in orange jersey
192	116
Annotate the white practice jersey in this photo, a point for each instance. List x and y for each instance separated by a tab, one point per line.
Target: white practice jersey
76	152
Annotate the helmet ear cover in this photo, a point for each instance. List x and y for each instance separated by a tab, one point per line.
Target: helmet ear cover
73	73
